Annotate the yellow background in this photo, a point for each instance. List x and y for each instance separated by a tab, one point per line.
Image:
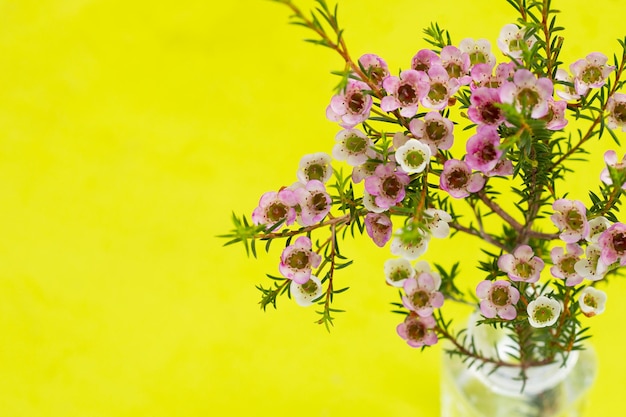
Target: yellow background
129	131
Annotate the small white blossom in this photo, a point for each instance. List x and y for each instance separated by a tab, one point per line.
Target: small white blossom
543	311
304	294
315	166
592	301
397	271
413	156
409	250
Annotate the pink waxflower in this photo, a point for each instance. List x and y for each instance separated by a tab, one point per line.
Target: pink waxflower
352	106
565	262
424	59
378	227
512	41
612	244
375	68
297	260
503	168
483	107
434	130
387	185
570	216
555	119
315	166
457	63
527	92
482	75
521	265
314	201
418	331
616	106
405	93
442	87
422	295
353	146
498	298
479	52
483	149
275	207
590	72
458	180
610	158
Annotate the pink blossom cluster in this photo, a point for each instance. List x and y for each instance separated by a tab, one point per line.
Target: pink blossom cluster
387	169
431	82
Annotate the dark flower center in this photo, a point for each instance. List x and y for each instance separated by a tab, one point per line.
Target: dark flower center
391	186
420	299
488	152
490	113
436	131
298	260
276	211
500	296
415	330
619	242
457	178
318	202
356	102
406	94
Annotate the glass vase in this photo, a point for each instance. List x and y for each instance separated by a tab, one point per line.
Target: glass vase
554	390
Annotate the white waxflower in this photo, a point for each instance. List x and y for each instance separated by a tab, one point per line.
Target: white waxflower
437	222
413	156
597	225
353	146
304	294
592	301
543	311
409	250
397	271
511	40
315	166
592	266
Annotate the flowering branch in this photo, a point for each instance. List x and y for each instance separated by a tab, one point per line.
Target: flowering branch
410	185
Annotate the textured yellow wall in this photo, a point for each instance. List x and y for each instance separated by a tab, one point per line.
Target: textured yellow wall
129	131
